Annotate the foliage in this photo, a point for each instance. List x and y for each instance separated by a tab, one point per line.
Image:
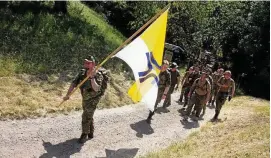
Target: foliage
237	34
42	41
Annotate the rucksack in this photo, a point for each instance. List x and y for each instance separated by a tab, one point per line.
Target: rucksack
105	74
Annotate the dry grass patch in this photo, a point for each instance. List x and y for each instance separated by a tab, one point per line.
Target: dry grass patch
243	132
21	98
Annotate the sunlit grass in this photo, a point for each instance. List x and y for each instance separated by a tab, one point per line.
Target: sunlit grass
245	133
21	99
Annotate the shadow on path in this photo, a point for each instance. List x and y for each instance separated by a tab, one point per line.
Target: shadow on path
120	153
63	149
161	110
189	125
142	127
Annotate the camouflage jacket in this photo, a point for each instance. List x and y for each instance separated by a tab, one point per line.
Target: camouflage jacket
201	87
164	79
86	89
229	84
188	79
174	75
216	76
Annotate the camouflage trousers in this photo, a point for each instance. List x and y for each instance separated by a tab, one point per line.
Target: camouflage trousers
167	101
185	91
220	101
214	93
158	100
89	107
198	101
160	94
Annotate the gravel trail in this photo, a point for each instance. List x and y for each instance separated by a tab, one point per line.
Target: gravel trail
119	133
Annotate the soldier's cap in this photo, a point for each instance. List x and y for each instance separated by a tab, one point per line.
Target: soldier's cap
165	62
90	58
173	65
203	73
227	72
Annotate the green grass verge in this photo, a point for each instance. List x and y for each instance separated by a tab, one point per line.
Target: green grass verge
244	133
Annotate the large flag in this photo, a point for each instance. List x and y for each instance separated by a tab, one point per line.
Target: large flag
144	55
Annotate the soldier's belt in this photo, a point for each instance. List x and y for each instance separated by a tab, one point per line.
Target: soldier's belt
201	95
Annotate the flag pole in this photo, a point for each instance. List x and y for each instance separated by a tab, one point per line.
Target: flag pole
119	48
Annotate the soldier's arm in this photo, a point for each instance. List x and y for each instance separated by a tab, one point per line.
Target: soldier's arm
74	83
233	88
184	78
192	88
208	91
72	86
178	79
219	82
168	78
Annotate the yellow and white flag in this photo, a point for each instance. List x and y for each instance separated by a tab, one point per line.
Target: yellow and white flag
144	55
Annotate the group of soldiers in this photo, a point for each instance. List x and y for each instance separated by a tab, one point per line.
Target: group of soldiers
200	87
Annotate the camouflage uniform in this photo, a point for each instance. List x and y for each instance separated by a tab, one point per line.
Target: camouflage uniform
210	79
187	77
201	88
90	99
164	81
174	75
216	77
223	93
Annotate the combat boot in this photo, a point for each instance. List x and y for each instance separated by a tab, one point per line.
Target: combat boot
82	138
213	102
90	135
215	117
150	117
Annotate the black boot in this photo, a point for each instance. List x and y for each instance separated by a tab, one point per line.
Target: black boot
150	117
216	116
213	102
90	135
82	138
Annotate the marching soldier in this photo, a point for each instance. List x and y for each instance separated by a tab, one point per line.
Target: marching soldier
91	92
186	82
199	95
216	76
210	79
175	80
163	87
226	85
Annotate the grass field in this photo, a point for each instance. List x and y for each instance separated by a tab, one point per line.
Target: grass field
25	96
243	131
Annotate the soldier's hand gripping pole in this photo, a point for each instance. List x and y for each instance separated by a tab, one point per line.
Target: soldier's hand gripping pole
118	49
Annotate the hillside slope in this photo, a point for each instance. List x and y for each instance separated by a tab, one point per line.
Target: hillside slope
41	51
47	42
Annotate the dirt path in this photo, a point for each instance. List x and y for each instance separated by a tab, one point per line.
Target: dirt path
120	132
